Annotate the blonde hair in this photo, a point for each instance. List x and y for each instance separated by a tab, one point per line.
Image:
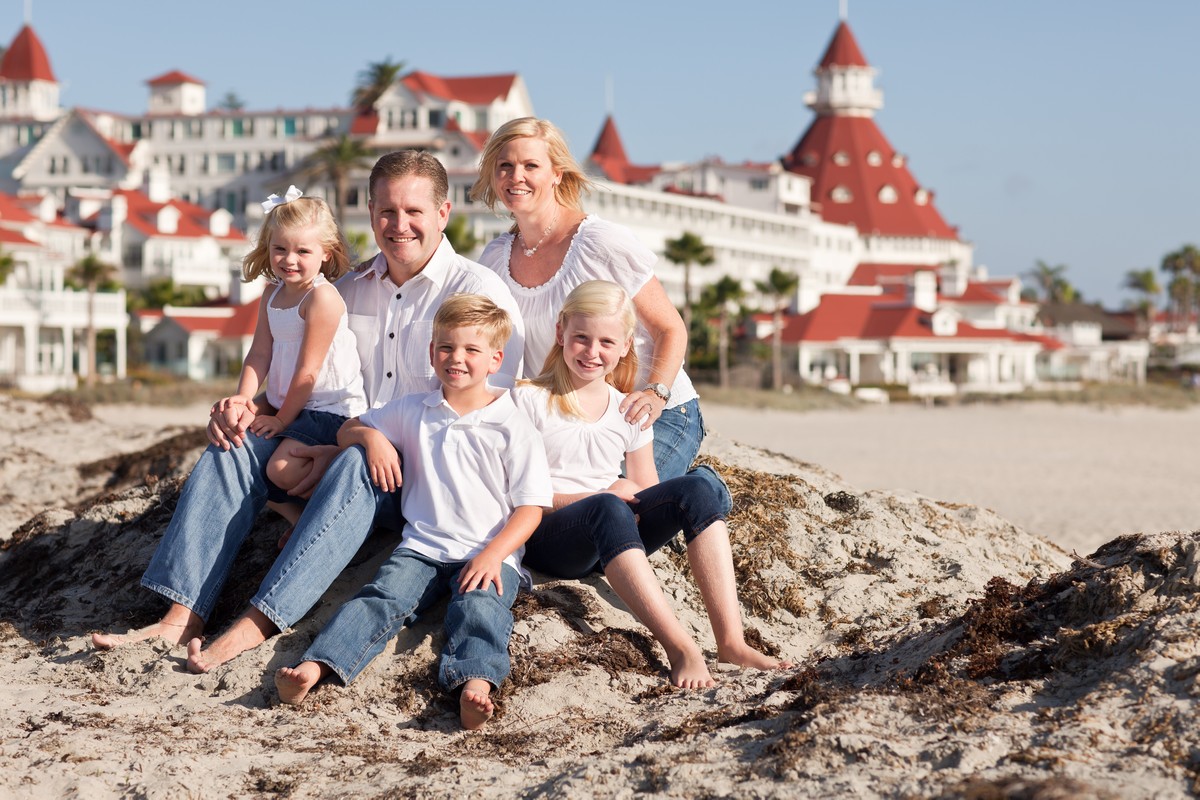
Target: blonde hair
303	212
570	189
474	311
589	299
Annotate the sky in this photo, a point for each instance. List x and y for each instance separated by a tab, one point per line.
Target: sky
1059	130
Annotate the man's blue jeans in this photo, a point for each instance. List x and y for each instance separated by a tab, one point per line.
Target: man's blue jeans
583	537
218	508
478	623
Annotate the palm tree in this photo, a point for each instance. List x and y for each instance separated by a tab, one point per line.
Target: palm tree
373	81
360	244
1145	283
91	272
1183	265
688	249
334	161
164	291
721	295
1052	286
231	102
780	285
7	265
462	238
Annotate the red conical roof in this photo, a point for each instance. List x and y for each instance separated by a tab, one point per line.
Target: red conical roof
859	179
26	59
843	50
609	155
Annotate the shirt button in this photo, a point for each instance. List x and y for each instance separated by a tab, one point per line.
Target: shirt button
399	295
392	335
389	374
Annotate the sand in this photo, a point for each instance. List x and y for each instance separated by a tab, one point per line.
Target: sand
941	650
1077	475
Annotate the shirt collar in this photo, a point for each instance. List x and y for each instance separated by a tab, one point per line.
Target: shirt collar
493	413
435	271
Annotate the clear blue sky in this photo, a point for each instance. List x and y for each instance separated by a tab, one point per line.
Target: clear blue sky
1065	130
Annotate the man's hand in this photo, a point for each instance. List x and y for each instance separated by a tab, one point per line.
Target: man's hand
228	423
267	426
322	456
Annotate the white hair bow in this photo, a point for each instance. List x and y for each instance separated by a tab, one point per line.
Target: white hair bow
275	200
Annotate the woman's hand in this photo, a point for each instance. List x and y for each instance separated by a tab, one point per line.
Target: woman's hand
644	406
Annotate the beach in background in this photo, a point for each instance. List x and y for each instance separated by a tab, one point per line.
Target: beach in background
1077	475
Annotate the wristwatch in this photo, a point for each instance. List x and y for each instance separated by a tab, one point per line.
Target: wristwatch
660	390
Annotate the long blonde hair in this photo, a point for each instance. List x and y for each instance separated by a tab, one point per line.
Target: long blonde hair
303	212
589	299
570	189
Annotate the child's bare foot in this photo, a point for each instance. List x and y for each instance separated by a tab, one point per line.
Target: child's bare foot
294	683
744	655
246	633
475	706
688	670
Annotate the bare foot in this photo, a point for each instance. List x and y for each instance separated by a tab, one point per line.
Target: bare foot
688	670
179	625
744	655
247	632
294	683
475	705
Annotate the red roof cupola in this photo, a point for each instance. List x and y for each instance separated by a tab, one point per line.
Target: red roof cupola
608	156
858	177
26	59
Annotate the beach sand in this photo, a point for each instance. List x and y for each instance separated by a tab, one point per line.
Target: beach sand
1077	475
941	650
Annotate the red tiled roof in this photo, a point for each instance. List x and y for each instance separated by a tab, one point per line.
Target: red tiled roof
365	123
193	219
243	321
26	59
843	50
173	77
240	323
476	90
477	139
869	274
609	155
12	210
855	138
12	237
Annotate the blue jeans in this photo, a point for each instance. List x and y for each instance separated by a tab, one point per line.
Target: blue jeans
478	623
338	518
583	537
677	437
215	513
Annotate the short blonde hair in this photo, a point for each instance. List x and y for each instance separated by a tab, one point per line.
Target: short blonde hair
570	190
590	299
303	212
474	311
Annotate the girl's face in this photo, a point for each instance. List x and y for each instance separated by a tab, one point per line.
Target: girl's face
524	178
592	346
297	256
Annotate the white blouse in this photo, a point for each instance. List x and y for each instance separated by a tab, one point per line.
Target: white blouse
599	250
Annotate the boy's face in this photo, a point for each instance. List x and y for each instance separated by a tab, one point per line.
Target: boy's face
463	357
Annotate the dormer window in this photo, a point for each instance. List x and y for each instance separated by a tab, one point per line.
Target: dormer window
841	194
874	159
888	194
897	160
841	158
921	196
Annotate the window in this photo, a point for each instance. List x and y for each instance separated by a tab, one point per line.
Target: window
897	160
887	194
759	184
874	159
436	118
289	126
921	196
226	162
841	158
841	194
236	128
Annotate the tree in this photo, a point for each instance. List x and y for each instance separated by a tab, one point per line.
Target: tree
688	249
373	81
162	292
7	265
1145	283
721	295
91	272
231	102
780	285
462	238
334	161
360	244
1052	286
1183	265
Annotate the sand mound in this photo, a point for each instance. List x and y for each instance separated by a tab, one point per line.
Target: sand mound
943	653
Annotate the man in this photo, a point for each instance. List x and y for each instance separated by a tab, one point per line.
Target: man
390	303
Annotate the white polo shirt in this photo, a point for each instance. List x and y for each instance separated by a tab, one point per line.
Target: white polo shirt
393	325
463	476
583	456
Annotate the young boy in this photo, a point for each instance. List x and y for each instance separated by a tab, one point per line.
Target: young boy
473	488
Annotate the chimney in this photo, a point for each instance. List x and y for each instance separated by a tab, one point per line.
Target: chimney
924	290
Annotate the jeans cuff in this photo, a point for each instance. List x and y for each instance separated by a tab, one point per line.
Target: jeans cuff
271	614
174	597
605	558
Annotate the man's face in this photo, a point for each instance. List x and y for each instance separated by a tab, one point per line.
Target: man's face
407	222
